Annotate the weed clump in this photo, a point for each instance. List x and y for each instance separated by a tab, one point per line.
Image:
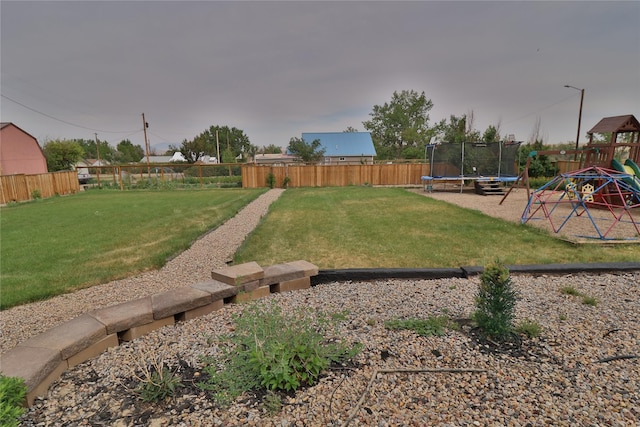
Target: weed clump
12	395
274	351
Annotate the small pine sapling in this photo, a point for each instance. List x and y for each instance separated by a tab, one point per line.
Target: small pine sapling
495	302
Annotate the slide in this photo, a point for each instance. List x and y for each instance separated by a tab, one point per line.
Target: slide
630	168
634	167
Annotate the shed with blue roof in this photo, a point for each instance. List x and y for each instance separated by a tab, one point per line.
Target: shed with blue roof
344	148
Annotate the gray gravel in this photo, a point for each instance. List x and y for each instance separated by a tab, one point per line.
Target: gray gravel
564	377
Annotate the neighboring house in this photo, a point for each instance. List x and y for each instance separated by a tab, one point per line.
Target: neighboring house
83	166
273	159
344	148
20	152
177	157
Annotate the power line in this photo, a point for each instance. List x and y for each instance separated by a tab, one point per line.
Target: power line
64	121
540	109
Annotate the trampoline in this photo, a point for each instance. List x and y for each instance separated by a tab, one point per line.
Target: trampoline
471	161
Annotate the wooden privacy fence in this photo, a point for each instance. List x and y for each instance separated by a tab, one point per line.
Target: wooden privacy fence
19	188
334	175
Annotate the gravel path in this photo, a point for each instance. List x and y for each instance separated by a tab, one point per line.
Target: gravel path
210	252
564	377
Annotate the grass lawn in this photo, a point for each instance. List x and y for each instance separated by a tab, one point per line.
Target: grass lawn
52	246
358	227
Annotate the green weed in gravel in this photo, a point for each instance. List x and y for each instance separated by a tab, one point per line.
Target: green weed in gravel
432	325
279	351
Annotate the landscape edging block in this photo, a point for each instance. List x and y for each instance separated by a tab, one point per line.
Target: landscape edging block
277	273
32	364
218	290
120	317
70	337
238	274
178	300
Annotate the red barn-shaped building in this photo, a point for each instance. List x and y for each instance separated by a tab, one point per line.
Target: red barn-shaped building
20	152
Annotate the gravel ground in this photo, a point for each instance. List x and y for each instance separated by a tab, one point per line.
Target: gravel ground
578	229
582	370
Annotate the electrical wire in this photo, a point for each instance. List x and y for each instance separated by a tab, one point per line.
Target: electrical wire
64	121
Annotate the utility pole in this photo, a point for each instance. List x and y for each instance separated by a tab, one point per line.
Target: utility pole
218	146
145	125
579	116
98	154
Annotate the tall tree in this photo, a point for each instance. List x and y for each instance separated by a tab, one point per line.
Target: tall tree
306	152
491	134
90	148
207	143
400	123
128	153
454	131
62	154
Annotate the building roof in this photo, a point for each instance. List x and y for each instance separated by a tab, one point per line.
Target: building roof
338	144
627	123
5	124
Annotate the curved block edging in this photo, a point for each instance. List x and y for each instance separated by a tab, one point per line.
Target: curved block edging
43	358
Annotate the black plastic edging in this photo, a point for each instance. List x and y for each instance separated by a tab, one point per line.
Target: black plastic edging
365	274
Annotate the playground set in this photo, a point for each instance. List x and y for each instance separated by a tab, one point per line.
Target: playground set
601	186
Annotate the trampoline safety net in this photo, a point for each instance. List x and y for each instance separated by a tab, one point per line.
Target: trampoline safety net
473	159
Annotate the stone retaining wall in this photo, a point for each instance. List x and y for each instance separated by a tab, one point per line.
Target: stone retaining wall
43	358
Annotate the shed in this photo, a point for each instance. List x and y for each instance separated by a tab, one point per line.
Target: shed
344	147
20	152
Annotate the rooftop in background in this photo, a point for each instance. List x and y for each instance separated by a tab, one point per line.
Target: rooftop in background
338	144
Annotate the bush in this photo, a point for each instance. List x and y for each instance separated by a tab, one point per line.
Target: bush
495	302
273	351
12	395
271	180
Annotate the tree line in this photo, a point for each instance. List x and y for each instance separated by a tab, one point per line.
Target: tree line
400	129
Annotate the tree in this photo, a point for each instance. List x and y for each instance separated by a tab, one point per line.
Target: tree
129	153
540	165
491	134
306	152
62	154
454	131
400	123
350	129
271	149
107	152
208	142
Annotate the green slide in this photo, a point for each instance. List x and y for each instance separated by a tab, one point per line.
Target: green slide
634	167
634	179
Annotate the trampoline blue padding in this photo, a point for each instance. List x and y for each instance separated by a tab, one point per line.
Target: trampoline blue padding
470	178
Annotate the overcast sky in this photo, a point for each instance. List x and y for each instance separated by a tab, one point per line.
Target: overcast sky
277	69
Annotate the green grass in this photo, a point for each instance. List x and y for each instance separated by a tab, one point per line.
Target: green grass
56	245
363	227
53	246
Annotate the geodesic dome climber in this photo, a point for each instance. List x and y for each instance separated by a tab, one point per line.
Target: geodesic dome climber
604	199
